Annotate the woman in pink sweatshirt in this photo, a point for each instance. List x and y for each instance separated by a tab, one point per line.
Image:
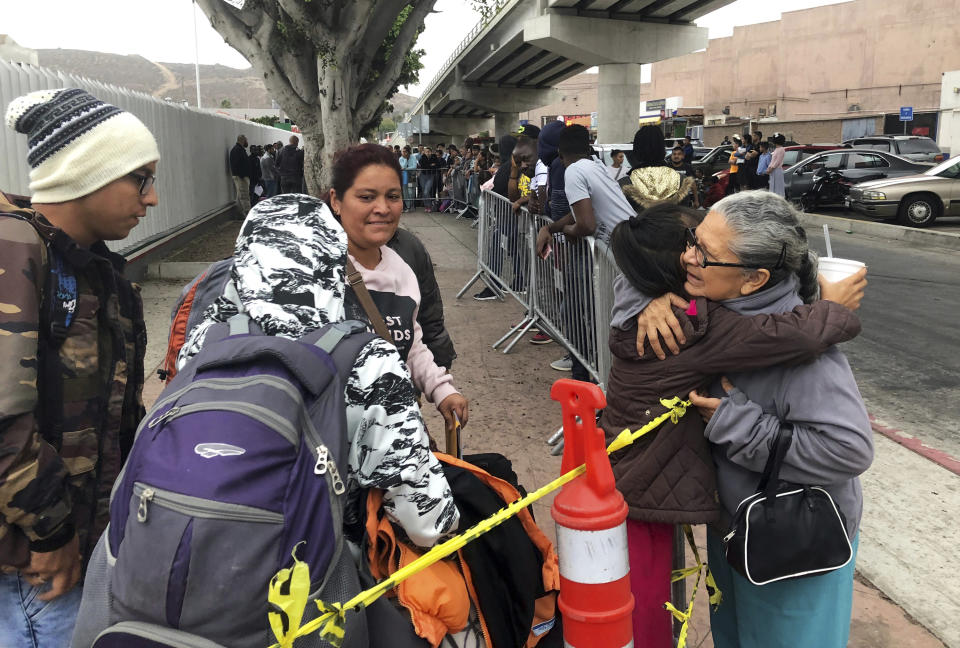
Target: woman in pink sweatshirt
367	198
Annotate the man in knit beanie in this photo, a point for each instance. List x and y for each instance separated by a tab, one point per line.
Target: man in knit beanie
72	341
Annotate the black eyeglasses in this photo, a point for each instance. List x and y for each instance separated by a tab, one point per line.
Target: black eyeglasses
146	181
692	242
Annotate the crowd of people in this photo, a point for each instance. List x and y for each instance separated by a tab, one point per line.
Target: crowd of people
725	309
266	171
430	174
756	163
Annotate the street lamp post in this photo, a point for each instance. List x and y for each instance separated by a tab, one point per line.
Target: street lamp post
196	50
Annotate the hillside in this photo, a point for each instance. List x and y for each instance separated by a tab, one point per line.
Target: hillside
242	88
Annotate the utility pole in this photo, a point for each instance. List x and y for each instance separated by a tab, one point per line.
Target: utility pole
196	50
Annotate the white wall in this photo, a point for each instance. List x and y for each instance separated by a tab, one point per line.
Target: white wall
193	176
948	134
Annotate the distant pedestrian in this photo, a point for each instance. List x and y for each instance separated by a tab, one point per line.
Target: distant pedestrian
240	170
688	150
256	174
736	159
616	170
763	165
408	167
775	170
678	162
290	167
268	167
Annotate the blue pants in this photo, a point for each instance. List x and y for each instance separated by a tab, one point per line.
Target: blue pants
800	613
26	622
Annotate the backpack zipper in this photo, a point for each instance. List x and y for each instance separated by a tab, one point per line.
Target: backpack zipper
199	507
326	465
261	414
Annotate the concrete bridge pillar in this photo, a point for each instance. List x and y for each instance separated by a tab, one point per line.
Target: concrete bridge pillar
505	123
618	107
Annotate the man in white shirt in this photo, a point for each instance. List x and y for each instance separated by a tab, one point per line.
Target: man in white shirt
597	205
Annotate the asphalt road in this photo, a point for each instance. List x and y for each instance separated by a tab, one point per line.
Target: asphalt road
950	224
907	359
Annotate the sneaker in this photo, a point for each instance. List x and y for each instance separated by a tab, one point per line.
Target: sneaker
485	295
563	364
542	338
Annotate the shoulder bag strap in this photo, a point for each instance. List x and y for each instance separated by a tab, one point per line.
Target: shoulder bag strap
771	472
355	279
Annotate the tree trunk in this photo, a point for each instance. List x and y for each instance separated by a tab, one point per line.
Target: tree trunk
337	125
313	167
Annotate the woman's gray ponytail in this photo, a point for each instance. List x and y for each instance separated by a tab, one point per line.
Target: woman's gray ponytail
768	234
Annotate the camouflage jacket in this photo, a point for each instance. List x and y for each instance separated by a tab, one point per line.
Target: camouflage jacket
55	478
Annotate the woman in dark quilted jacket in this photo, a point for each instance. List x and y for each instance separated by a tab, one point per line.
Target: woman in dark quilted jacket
667	477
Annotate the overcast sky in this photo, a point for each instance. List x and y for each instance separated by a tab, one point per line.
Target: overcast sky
162	30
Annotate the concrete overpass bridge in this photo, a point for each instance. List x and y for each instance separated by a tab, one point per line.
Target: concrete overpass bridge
511	60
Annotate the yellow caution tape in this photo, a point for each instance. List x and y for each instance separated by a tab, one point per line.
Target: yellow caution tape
681	574
331	621
288	594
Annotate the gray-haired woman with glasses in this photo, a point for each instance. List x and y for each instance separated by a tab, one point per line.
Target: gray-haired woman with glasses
751	254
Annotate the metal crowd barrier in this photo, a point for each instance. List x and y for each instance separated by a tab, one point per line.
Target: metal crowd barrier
447	189
605	271
503	265
568	294
563	296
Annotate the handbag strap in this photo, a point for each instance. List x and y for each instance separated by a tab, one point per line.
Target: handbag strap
771	472
355	279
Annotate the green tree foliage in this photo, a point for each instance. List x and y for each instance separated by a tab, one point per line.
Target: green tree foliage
266	120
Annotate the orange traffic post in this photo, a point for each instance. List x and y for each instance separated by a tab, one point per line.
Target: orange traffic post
590	514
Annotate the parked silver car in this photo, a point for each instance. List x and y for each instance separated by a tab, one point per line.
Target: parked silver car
915	200
912	147
855	165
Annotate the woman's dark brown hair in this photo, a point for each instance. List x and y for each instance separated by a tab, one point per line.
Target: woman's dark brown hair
648	246
348	164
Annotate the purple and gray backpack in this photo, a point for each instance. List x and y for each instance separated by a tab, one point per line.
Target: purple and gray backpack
242	458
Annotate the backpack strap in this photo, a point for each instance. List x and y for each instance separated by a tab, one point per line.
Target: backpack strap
343	341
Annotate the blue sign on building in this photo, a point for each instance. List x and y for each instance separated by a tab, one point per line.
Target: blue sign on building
906	113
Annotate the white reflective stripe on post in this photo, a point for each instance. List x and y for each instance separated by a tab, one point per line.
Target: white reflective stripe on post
591	557
567	645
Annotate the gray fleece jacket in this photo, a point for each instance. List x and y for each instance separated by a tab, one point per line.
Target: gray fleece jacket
832	439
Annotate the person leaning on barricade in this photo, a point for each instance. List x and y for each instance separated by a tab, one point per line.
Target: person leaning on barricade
72	340
668	478
596	205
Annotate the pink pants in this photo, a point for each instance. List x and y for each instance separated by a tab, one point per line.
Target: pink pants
651	559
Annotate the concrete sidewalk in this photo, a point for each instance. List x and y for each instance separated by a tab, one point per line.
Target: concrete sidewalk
909	533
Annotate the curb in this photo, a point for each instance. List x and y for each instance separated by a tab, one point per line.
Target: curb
939	457
925	237
176	271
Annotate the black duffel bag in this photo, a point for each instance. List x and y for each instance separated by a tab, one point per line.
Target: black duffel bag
786	530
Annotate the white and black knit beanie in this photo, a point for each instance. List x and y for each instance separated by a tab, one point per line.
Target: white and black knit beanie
77	143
